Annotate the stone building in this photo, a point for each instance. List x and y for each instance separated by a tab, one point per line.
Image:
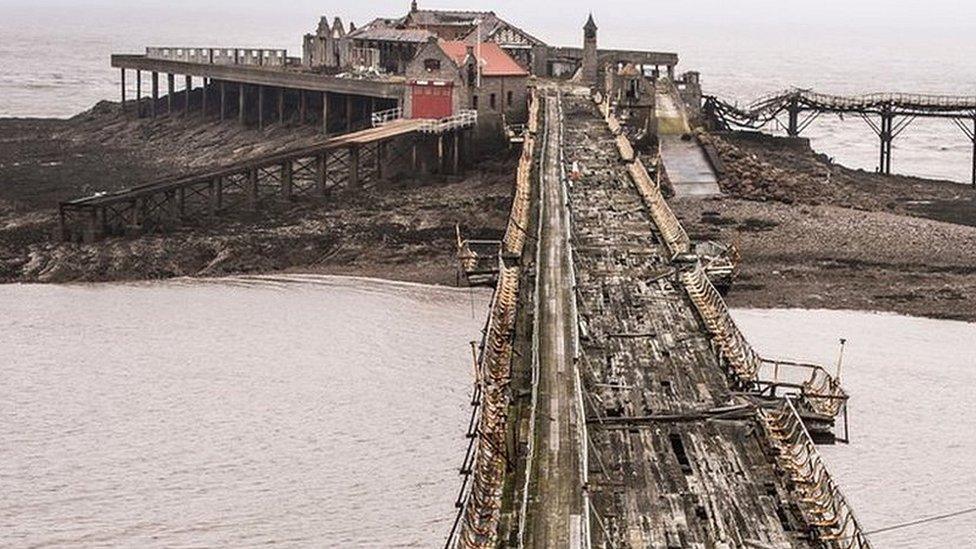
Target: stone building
589	67
448	76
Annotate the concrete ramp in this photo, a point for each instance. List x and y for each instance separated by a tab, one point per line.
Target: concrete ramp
688	169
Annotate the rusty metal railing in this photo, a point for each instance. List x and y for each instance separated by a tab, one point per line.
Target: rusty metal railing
812	383
820	500
479	514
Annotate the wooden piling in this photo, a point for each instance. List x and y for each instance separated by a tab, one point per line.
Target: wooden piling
241	104
286	179
321	173
188	82
155	94
170	90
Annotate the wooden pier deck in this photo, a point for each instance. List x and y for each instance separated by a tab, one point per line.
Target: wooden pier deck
674	462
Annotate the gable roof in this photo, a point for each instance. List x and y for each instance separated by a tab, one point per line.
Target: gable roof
494	60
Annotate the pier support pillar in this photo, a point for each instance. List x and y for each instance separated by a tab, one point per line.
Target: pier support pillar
380	155
325	113
241	104
457	152
186	94
281	106
354	167
321	173
155	94
286	179
793	129
138	94
887	120
123	90
260	107
170	90
440	154
223	99
349	113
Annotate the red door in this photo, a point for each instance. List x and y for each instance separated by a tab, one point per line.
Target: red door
431	100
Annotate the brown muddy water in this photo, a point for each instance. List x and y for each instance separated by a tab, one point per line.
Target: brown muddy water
912	412
237	413
329	412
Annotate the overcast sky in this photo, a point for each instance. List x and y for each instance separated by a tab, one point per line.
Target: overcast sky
557	21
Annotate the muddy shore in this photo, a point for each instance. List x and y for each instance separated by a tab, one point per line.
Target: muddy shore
402	230
811	233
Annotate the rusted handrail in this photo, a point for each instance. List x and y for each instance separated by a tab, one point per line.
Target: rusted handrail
820	500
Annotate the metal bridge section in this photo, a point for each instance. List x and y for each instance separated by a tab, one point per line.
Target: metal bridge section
888	114
346	161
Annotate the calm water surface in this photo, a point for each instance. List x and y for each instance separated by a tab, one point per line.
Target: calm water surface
238	413
913	415
330	412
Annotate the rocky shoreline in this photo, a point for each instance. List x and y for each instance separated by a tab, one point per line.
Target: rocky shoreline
811	233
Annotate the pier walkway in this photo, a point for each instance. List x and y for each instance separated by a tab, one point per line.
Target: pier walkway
555	505
689	171
653	421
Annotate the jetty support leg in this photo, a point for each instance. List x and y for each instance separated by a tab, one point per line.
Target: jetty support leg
123	90
240	104
170	89
186	94
138	93
349	113
155	94
281	106
325	113
321	173
260	107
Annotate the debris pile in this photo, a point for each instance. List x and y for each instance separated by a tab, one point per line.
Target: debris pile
747	176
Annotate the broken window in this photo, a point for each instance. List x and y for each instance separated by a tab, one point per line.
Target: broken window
432	65
491	101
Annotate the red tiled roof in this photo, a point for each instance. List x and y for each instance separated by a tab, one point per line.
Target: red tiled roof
494	60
